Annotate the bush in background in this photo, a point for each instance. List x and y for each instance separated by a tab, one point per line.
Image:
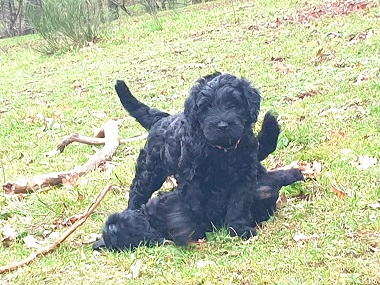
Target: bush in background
68	23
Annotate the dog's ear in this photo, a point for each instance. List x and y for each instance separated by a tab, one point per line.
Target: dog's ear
191	103
208	77
253	98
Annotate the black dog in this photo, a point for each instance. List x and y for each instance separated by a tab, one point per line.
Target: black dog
211	145
170	217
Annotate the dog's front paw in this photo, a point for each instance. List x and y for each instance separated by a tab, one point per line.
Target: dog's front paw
243	232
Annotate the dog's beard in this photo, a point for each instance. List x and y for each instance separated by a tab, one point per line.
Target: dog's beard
225	138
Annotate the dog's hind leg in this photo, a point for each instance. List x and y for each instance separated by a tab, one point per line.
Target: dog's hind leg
267	192
150	175
268	136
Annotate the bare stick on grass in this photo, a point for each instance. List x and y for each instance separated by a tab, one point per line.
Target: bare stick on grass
107	135
51	247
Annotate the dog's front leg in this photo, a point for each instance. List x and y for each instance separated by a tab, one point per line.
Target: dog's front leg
238	216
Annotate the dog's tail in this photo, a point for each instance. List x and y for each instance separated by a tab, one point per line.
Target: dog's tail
268	136
145	115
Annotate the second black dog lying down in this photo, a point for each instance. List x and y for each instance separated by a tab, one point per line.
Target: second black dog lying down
169	216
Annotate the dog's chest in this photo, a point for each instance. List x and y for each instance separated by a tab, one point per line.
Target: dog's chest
225	168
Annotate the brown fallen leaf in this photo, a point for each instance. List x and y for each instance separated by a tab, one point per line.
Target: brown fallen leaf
21	196
335	135
280	67
80	196
67	222
281	201
341	194
310	93
323	55
70	181
310	170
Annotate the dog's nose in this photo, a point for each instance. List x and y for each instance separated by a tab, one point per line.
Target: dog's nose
222	125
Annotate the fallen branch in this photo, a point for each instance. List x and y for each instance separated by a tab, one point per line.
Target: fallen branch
50	248
111	143
88	140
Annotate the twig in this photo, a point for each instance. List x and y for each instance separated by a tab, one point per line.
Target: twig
111	143
88	140
51	247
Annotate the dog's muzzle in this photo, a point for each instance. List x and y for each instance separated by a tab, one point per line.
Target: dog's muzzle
225	149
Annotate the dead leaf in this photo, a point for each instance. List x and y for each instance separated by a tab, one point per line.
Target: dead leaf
70	181
308	169
100	115
319	53
374	206
204	263
21	196
341	194
79	87
70	221
54	235
90	46
280	67
300	237
364	162
335	135
363	76
323	55
281	201
310	93
136	269
251	240
8	233
353	39
332	110
80	196
91	238
374	248
31	242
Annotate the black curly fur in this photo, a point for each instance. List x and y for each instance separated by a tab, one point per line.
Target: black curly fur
211	145
169	216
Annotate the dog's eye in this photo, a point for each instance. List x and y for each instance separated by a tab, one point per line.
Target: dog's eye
112	228
203	107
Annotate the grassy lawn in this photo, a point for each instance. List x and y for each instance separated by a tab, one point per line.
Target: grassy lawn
319	69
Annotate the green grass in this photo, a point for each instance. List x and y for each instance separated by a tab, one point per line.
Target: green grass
75	89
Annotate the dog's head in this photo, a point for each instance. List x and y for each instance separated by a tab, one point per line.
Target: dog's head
127	230
222	106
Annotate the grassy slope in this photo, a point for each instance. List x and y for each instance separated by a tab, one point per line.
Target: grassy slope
160	66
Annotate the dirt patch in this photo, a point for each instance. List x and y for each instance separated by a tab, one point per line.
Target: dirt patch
305	16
